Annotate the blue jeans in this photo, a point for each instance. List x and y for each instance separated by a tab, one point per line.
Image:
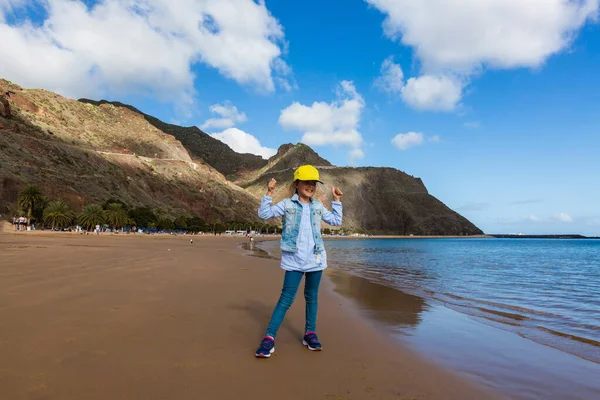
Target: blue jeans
290	287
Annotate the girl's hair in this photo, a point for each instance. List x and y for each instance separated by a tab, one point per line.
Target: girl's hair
292	189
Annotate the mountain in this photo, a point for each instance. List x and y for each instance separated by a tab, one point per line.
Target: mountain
288	156
89	151
86	153
382	200
200	145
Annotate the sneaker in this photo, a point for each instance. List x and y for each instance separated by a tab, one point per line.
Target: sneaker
267	347
312	341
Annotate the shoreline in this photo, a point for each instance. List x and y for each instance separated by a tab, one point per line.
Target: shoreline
165	318
481	349
8	229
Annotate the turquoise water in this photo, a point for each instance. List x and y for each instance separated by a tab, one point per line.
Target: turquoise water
544	290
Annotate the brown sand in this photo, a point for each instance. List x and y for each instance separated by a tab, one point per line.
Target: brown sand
122	317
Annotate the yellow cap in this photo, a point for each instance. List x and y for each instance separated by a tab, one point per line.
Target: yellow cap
307	173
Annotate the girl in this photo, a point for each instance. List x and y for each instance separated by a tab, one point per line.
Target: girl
302	250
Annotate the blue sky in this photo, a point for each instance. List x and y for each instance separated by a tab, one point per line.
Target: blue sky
494	104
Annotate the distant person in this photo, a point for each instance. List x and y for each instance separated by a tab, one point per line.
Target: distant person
303	251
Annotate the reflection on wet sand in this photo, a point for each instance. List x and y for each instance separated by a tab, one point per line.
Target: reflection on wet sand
384	304
256	251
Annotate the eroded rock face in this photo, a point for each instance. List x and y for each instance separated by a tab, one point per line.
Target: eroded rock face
22	102
5	106
8	97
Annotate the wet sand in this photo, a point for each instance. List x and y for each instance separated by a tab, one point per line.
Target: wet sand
513	365
122	317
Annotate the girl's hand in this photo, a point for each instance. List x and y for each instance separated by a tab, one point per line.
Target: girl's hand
271	186
337	193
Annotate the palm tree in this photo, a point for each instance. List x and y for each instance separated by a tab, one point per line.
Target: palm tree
91	216
38	211
165	224
116	216
29	198
219	227
180	223
58	214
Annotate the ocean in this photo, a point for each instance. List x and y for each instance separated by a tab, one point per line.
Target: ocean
545	291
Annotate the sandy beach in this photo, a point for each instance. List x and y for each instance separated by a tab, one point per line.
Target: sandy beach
155	317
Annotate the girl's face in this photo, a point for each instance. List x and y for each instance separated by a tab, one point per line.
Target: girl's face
306	189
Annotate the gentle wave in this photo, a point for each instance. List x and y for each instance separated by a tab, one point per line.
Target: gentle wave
572	337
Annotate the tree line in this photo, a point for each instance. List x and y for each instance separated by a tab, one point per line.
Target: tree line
116	214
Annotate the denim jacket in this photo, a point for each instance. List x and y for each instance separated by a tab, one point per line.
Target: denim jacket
291	211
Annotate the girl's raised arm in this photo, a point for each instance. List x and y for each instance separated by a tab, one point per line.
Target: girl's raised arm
266	211
334	217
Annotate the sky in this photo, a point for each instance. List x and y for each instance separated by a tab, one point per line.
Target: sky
494	104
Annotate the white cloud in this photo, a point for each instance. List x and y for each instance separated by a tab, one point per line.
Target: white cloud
243	142
229	116
238	140
228	110
217	123
534	218
404	141
356	154
427	92
392	77
334	123
460	38
464	35
563	217
141	45
284	76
